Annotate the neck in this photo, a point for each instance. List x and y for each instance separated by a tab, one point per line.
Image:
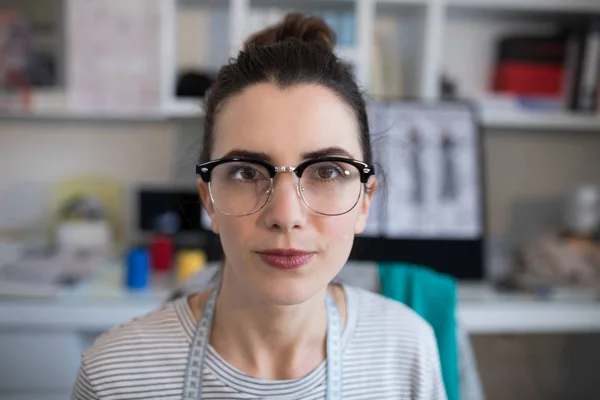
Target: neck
269	341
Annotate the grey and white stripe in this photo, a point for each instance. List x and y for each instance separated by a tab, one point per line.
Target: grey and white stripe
388	352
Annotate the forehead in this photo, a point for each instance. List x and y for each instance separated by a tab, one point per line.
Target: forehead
285	123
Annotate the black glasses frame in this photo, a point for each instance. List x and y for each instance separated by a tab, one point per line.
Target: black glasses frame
205	169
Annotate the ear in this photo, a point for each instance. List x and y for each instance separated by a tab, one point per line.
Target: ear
365	204
208	204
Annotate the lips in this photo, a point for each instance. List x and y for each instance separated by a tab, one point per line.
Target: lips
286	259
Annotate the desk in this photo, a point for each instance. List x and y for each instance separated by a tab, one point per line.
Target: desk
61	328
482	310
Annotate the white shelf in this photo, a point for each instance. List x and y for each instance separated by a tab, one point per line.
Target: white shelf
540	121
426	30
295	4
576	6
403	2
184	109
202	3
64	115
482	310
173	110
525	317
513	120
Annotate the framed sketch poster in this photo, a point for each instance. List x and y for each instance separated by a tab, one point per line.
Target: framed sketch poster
429	206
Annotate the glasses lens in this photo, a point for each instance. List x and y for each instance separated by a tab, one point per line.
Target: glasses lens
239	188
331	188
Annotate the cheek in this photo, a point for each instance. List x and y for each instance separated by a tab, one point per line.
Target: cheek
337	233
235	233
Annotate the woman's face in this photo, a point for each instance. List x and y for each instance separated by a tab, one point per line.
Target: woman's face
284	126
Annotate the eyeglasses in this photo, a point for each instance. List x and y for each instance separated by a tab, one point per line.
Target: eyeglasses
242	186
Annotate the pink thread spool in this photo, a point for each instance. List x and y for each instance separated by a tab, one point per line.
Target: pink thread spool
161	253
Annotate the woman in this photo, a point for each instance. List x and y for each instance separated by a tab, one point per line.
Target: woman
287	180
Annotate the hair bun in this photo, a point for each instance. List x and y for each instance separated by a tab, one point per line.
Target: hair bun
310	29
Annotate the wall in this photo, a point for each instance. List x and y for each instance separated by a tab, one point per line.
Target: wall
532	165
35	154
538	367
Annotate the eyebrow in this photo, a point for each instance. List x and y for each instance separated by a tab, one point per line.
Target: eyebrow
326	152
249	154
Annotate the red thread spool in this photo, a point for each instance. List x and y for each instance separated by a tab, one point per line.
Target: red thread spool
161	253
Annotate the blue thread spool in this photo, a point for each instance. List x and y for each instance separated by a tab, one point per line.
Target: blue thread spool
138	269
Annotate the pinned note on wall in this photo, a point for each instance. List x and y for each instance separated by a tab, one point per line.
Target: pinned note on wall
114	55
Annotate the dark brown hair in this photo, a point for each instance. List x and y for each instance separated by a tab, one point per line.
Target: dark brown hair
298	50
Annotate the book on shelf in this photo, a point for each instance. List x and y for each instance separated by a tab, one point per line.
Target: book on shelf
15	57
582	69
193	26
530	66
573	61
581	73
343	23
386	63
588	83
559	72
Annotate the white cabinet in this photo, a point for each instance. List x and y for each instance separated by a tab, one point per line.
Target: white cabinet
40	361
41	341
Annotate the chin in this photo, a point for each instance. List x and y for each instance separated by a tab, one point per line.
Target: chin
289	292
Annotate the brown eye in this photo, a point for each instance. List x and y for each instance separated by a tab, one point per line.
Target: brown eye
327	172
245	173
248	173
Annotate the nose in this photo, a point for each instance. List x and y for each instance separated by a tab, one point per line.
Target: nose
285	210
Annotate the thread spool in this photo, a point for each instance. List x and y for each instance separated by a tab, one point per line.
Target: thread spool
161	251
189	262
138	269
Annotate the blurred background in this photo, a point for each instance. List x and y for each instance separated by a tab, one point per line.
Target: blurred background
100	128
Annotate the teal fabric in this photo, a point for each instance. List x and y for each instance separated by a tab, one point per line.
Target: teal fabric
433	296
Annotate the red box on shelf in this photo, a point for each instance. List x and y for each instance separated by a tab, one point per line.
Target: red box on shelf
529	78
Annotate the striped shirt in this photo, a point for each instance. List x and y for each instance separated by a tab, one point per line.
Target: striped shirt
388	352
